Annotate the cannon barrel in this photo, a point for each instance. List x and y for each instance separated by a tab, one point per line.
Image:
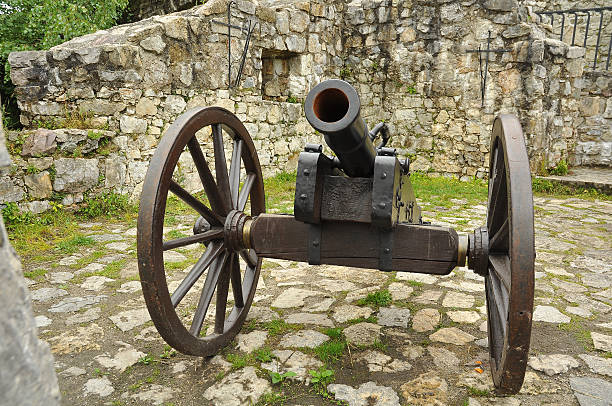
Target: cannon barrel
333	109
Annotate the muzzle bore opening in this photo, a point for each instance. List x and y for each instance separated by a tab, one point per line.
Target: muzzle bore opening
331	105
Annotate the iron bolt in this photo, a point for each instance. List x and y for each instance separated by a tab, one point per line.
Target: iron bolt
382	205
303	196
306	172
383	175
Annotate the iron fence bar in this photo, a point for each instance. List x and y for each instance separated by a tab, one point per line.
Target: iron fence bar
598	38
229	44
562	25
577	10
609	50
575	23
586	32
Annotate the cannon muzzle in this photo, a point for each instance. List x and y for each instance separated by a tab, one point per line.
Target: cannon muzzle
333	109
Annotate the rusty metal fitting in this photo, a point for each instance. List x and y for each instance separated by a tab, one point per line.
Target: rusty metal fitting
462	248
478	251
233	230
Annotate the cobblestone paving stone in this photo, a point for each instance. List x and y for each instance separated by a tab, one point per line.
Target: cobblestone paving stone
419	349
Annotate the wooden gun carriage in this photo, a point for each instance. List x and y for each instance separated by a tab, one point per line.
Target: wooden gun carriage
356	209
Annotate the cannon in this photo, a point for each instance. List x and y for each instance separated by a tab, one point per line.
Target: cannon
356	209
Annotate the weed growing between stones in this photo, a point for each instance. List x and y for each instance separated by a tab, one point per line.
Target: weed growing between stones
544	187
580	333
72	244
376	299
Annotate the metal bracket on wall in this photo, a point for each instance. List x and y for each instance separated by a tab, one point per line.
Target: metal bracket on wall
484	72
248	27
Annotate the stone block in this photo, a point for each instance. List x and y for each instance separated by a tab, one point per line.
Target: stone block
174	104
516	31
145	107
41	142
176	27
556	47
75	175
535	51
501	5
575	52
46	108
154	44
282	22
132	125
9	192
299	22
39	185
101	106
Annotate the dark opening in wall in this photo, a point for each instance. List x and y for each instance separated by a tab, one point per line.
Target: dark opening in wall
281	78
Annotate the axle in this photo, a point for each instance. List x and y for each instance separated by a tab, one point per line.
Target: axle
416	248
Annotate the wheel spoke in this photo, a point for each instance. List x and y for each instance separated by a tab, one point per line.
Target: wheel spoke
221	165
236	282
500	264
234	174
499	241
208	181
198	269
249	257
192	239
497	193
197	205
245	191
222	290
500	301
207	293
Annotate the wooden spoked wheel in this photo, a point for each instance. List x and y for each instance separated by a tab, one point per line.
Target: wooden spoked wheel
508	266
181	316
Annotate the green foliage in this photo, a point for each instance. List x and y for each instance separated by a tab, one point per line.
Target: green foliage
168	352
438	190
105	204
561	168
72	244
147	360
41	24
322	377
240	360
276	327
271	398
276	377
545	186
410	89
263	354
37	274
292	99
13	216
335	333
376	299
478	392
331	350
94	135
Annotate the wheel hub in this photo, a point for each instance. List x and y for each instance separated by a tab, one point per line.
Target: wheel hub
478	251
236	223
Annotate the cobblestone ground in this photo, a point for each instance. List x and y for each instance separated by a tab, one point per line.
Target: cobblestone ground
423	347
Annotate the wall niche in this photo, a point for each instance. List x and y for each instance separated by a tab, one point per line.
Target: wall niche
281	76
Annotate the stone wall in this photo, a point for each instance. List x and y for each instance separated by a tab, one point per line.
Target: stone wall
408	61
27	376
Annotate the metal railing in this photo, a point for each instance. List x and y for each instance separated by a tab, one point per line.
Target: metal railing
585	12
